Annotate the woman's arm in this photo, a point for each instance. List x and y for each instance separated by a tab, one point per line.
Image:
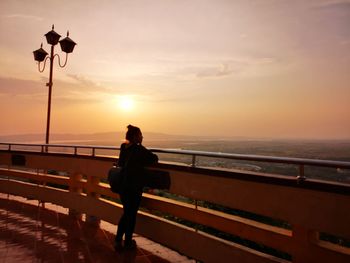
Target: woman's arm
148	157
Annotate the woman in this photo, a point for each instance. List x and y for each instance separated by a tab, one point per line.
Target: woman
133	158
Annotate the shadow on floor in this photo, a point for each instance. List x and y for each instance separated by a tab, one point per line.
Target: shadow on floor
31	233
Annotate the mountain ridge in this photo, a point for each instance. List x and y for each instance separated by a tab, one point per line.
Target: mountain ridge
116	135
149	136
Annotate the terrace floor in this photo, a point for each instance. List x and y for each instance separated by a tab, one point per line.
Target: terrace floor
32	232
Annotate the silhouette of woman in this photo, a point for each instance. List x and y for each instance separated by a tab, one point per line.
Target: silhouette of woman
133	158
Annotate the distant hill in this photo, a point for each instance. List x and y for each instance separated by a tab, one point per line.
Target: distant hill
118	136
103	136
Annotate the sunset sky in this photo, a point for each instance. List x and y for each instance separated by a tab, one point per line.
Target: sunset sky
259	68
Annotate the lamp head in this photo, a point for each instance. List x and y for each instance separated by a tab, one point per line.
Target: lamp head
40	54
52	37
67	44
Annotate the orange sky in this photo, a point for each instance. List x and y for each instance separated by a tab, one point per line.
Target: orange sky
267	68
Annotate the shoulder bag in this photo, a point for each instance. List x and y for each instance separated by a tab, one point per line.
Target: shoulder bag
115	179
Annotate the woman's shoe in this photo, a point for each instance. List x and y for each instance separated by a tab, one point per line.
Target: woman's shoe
130	244
118	246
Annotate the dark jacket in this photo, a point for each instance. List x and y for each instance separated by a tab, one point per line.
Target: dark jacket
134	158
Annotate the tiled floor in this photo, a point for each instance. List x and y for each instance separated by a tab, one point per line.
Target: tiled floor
31	233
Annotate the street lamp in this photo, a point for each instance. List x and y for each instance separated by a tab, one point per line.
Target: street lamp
40	55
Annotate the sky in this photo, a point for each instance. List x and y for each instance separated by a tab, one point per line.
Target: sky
224	68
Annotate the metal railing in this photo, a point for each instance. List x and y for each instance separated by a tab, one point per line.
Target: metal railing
300	162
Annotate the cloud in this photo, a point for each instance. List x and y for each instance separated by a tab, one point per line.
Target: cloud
337	4
337	7
223	70
175	70
63	91
70	99
13	86
227	68
88	85
84	81
23	16
335	19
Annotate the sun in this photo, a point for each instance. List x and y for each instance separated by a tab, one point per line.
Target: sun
126	103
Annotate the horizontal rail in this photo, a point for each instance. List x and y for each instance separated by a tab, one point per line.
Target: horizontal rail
232	156
260	158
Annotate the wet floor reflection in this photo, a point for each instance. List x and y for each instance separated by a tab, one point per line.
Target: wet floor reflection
32	233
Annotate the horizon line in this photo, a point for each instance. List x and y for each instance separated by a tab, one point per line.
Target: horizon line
213	137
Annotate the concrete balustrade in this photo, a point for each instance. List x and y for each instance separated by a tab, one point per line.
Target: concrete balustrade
309	206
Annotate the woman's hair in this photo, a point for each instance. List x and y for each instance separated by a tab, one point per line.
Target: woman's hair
132	133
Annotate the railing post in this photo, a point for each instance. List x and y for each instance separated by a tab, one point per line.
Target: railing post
303	241
196	207
74	187
301	175
193	164
92	184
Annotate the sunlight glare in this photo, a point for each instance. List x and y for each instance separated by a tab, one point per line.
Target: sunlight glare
126	103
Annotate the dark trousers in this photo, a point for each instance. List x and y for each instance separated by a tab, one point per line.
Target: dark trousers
127	222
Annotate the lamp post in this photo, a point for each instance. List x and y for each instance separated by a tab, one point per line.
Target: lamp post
40	55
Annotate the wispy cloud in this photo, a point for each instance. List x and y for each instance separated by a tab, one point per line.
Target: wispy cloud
86	84
226	68
63	91
23	16
223	70
13	86
335	18
70	99
340	7
334	4
84	81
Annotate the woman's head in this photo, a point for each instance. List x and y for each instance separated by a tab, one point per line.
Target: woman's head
134	134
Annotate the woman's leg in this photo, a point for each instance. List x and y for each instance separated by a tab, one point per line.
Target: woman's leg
122	221
132	208
120	229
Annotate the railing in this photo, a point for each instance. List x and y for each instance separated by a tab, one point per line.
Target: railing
305	210
300	162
